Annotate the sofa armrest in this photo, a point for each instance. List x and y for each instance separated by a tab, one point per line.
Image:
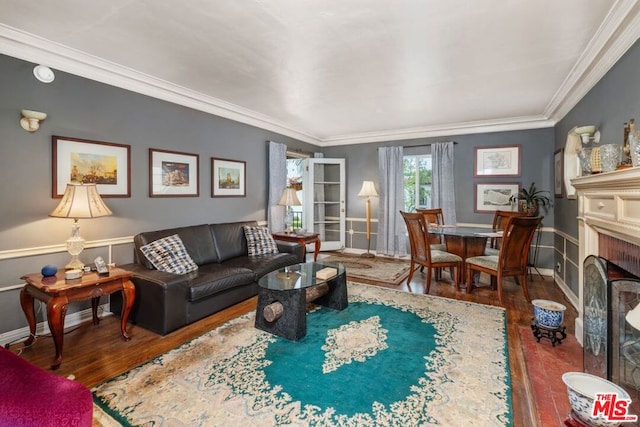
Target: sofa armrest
161	299
292	248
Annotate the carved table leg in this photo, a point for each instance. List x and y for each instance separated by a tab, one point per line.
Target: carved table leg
316	250
94	310
56	312
128	296
26	301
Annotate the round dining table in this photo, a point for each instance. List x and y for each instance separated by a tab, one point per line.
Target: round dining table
465	242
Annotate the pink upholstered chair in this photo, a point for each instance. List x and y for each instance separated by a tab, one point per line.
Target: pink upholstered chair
31	396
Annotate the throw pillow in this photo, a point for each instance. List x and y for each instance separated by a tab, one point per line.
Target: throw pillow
169	255
259	241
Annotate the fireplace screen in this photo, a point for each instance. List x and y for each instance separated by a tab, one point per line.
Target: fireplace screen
625	351
595	308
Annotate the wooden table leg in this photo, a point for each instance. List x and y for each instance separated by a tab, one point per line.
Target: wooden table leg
94	310
26	301
316	250
56	312
128	296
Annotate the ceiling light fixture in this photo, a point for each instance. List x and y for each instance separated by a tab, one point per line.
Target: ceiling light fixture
43	73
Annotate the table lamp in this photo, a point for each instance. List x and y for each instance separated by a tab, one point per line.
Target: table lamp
79	201
288	199
368	191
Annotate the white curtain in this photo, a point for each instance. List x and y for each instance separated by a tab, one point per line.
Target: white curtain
392	232
277	184
444	195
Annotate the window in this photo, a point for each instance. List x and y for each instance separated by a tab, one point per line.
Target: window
417	182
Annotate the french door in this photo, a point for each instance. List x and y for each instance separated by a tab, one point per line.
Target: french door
324	201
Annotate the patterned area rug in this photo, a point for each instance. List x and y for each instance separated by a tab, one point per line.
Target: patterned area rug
371	270
390	358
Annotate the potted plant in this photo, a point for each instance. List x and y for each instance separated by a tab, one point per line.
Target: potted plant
530	199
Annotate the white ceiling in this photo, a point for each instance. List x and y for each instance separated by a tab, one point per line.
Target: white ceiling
334	71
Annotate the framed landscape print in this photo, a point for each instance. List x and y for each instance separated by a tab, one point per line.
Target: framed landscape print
228	178
82	161
493	197
173	174
558	173
497	161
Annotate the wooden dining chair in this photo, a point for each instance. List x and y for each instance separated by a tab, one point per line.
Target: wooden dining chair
500	219
434	216
423	255
512	259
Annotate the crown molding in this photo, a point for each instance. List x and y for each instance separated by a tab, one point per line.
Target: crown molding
461	128
32	48
618	32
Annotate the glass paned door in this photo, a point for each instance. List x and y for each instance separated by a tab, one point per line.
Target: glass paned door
324	210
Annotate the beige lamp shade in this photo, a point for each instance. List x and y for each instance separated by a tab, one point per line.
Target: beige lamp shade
633	317
81	201
368	190
289	198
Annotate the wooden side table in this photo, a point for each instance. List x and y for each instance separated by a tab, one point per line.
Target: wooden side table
57	292
303	239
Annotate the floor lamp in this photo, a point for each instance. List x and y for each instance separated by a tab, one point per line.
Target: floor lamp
368	191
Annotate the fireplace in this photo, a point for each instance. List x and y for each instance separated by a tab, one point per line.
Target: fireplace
609	276
608	224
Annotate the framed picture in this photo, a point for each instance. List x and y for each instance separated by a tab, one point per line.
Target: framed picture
173	174
494	197
83	161
228	178
497	161
558	173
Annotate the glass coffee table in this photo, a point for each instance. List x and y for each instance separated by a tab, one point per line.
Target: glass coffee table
283	296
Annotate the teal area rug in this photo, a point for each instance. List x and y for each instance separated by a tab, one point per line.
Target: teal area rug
390	358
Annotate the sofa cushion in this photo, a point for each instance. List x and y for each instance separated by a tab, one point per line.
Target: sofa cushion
263	264
230	240
196	238
259	241
169	255
214	278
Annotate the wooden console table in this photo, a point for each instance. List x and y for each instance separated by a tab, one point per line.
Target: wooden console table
57	292
303	239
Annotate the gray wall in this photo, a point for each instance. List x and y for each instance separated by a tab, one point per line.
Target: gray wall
537	166
613	101
82	108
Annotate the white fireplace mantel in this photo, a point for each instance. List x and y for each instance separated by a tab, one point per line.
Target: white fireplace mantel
608	203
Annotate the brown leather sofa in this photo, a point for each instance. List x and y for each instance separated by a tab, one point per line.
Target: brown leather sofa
226	275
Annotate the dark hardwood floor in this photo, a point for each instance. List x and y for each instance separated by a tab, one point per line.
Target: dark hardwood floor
94	354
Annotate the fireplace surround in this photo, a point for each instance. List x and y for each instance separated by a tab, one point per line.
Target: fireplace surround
608	212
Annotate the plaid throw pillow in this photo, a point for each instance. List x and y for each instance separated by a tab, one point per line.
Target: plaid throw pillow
259	241
169	255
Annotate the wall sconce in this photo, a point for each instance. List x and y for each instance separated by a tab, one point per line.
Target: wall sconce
588	134
30	120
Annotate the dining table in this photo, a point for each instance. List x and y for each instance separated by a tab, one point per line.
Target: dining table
464	241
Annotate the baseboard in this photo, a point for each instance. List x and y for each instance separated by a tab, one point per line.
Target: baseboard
42	328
